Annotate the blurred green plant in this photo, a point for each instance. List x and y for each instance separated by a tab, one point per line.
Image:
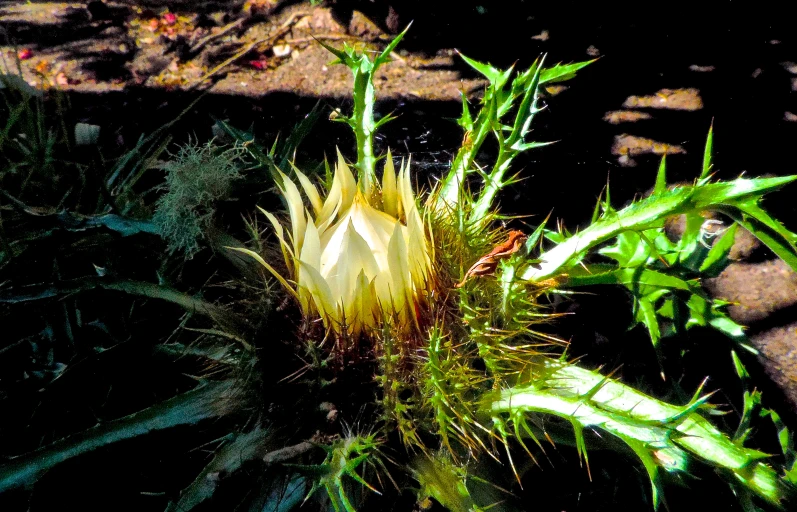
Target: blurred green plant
29	140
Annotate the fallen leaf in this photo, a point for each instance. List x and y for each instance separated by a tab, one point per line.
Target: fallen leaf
489	262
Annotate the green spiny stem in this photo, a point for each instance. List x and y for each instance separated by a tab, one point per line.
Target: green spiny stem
398	411
343	459
363	123
496	104
511	146
650	213
663	436
455	179
493	184
435	383
362	119
449	389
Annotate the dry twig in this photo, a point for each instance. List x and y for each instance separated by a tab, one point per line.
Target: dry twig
281	31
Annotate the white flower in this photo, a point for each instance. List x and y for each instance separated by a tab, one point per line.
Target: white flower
361	256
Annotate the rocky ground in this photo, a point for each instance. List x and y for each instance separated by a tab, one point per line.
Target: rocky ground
654	90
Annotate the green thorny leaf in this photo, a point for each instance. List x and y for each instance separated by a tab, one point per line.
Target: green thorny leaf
440	479
495	116
737	198
344	457
663	436
362	119
663	276
755	411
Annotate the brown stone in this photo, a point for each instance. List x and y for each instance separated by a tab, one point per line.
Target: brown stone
672	99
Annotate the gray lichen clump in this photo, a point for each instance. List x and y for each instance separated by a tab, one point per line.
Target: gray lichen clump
196	179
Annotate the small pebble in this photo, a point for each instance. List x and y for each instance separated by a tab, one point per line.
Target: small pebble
701	69
281	50
542	36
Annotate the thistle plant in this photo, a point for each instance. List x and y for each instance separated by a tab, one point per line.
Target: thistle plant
426	315
363	271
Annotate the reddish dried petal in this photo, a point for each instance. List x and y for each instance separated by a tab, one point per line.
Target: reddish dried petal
257	64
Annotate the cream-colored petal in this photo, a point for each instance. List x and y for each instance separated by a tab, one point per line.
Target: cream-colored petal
274	222
400	288
373	312
404	185
311	248
377	233
310	254
333	278
420	261
400	190
309	189
324	225
331	243
388	305
342	259
287	250
372	225
332	202
361	313
319	291
348	185
296	211
389	192
354	258
357	252
352	308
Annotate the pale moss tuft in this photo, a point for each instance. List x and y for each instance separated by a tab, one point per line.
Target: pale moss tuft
197	178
